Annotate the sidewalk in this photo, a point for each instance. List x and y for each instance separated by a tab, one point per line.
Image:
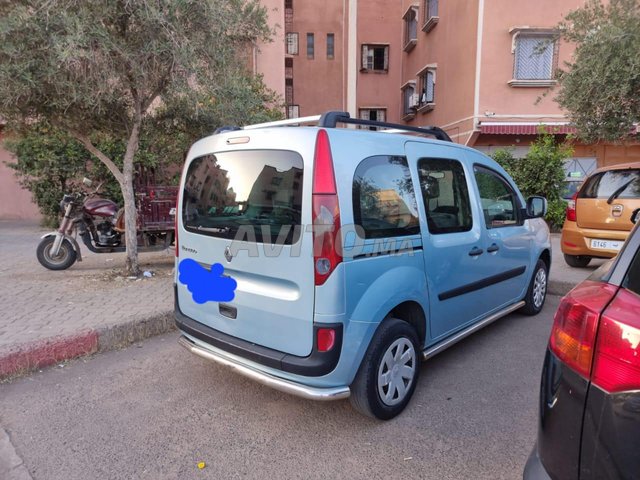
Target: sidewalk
52	316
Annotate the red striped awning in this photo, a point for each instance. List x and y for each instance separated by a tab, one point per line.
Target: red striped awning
525	129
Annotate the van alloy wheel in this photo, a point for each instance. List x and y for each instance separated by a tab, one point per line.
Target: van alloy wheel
539	288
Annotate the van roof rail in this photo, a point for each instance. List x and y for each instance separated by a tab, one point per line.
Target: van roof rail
332	118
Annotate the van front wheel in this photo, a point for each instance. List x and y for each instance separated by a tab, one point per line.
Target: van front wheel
389	371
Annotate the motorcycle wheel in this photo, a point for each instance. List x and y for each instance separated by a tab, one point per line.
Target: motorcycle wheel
65	258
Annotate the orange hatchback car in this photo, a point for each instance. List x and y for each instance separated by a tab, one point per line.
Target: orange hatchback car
599	214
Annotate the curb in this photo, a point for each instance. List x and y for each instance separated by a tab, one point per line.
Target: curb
43	353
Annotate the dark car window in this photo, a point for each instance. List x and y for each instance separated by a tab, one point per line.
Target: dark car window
258	191
632	280
445	194
622	183
499	201
384	202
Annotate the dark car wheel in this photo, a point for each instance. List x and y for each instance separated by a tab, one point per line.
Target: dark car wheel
389	371
65	258
578	261
537	291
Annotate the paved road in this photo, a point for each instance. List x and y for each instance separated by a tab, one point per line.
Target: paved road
155	411
37	303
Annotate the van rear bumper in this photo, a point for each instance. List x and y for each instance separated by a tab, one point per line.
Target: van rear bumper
286	386
316	364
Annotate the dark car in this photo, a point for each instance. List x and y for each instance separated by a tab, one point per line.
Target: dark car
589	423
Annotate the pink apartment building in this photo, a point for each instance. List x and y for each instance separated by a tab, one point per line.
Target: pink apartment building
480	69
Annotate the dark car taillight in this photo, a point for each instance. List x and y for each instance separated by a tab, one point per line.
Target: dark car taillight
616	365
572	214
575	324
326	212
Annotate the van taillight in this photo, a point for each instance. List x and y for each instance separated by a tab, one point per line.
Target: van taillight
575	324
326	339
616	365
326	212
571	208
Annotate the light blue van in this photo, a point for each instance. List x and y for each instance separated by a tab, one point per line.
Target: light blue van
355	254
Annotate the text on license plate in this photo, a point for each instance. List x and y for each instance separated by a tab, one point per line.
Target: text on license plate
607	244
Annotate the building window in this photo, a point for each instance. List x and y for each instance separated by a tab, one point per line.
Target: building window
310	46
375	58
288	3
534	56
410	28
427	89
430	19
373	114
331	46
288	68
292	43
293	111
409	100
288	91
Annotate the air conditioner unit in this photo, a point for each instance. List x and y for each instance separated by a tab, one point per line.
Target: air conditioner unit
414	100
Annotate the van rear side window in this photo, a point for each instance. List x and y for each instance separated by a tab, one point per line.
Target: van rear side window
384	203
250	195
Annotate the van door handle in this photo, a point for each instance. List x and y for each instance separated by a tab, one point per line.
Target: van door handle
493	248
475	251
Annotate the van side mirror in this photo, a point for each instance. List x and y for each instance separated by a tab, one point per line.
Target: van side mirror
635	216
536	207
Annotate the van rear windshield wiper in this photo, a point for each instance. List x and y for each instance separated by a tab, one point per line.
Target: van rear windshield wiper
617	193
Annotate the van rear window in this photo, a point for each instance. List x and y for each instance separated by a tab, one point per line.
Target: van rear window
251	195
614	183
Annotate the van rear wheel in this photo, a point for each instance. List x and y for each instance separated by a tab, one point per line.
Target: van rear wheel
389	371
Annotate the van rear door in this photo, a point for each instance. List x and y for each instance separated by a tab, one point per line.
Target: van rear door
245	210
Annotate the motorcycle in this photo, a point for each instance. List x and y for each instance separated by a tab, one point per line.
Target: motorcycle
100	225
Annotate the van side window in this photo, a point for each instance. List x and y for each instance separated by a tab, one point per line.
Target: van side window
445	195
384	202
499	202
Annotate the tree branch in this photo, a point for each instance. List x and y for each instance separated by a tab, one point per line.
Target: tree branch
84	140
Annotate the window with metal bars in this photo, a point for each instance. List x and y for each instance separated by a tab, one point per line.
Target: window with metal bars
292	43
534	57
427	86
430	14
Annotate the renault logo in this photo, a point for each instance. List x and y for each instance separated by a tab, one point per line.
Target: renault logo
227	253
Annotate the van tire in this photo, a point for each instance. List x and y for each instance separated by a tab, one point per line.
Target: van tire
365	390
577	261
537	291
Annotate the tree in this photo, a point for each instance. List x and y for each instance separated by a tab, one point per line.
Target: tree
48	162
97	68
541	172
601	85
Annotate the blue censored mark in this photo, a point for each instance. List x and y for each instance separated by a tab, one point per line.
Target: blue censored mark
204	285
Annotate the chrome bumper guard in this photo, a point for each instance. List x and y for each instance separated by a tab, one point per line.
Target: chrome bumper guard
286	386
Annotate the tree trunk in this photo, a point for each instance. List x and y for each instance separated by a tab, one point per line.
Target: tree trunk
130	214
